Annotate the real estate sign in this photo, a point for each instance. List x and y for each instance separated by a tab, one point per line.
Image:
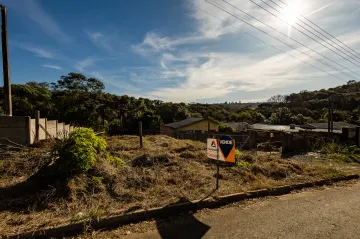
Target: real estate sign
222	149
212	149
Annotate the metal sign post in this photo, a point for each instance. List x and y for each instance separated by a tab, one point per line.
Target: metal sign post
222	149
217	166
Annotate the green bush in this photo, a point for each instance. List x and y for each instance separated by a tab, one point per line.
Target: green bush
243	164
77	153
116	161
97	180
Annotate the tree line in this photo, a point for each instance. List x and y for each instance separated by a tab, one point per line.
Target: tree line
79	100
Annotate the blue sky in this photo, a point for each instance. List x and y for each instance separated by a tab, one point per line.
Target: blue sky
174	50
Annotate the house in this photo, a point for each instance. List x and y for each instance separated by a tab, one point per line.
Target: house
239	126
269	127
190	125
324	126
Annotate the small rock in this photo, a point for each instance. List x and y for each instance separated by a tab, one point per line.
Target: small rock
128	232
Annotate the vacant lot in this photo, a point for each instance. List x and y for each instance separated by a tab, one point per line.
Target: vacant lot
165	171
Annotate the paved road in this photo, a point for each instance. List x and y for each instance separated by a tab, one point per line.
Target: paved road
332	212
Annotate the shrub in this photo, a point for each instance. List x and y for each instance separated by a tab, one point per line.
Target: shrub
239	156
97	180
116	161
77	153
243	164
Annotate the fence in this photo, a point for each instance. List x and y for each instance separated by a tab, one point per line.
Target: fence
305	141
244	140
25	131
118	132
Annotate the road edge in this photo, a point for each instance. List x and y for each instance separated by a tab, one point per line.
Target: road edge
114	221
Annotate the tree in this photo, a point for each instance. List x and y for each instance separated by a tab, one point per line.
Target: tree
282	116
224	128
78	82
276	99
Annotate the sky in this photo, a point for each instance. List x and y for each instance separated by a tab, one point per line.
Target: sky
185	50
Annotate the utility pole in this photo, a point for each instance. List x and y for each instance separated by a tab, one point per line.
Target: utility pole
6	67
332	115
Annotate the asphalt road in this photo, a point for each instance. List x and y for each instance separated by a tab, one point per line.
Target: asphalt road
332	212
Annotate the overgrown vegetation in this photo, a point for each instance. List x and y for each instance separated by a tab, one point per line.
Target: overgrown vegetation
344	153
125	177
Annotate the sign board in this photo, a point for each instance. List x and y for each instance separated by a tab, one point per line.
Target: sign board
223	149
227	149
212	149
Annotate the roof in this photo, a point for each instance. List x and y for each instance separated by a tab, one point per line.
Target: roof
274	127
236	125
286	128
337	125
186	122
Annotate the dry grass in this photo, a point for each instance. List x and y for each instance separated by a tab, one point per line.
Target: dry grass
164	171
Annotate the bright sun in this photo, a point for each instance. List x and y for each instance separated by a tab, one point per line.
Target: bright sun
292	11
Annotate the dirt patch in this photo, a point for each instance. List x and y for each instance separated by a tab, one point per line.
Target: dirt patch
161	173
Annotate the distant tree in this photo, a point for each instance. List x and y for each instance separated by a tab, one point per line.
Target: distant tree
78	82
282	116
276	99
224	128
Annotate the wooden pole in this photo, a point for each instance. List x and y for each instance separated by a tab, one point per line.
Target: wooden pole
6	68
57	129
217	166
37	127
140	134
46	135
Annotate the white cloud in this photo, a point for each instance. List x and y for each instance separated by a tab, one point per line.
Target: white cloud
81	65
52	67
40	52
209	72
101	40
34	10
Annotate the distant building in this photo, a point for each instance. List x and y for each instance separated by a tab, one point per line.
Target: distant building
190	125
316	127
239	126
324	126
269	127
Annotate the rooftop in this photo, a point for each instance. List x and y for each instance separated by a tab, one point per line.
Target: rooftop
337	125
185	122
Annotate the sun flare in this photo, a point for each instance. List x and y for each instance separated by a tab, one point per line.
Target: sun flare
292	11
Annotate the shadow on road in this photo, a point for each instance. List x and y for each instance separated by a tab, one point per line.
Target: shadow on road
187	227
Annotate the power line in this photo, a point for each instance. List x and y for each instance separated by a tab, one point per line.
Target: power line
261	39
299	30
326	38
294	41
356	53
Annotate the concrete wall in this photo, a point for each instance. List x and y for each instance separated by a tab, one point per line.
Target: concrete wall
51	126
15	128
22	129
32	131
61	130
66	130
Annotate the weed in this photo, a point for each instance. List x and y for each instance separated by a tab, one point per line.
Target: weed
243	164
116	161
97	180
